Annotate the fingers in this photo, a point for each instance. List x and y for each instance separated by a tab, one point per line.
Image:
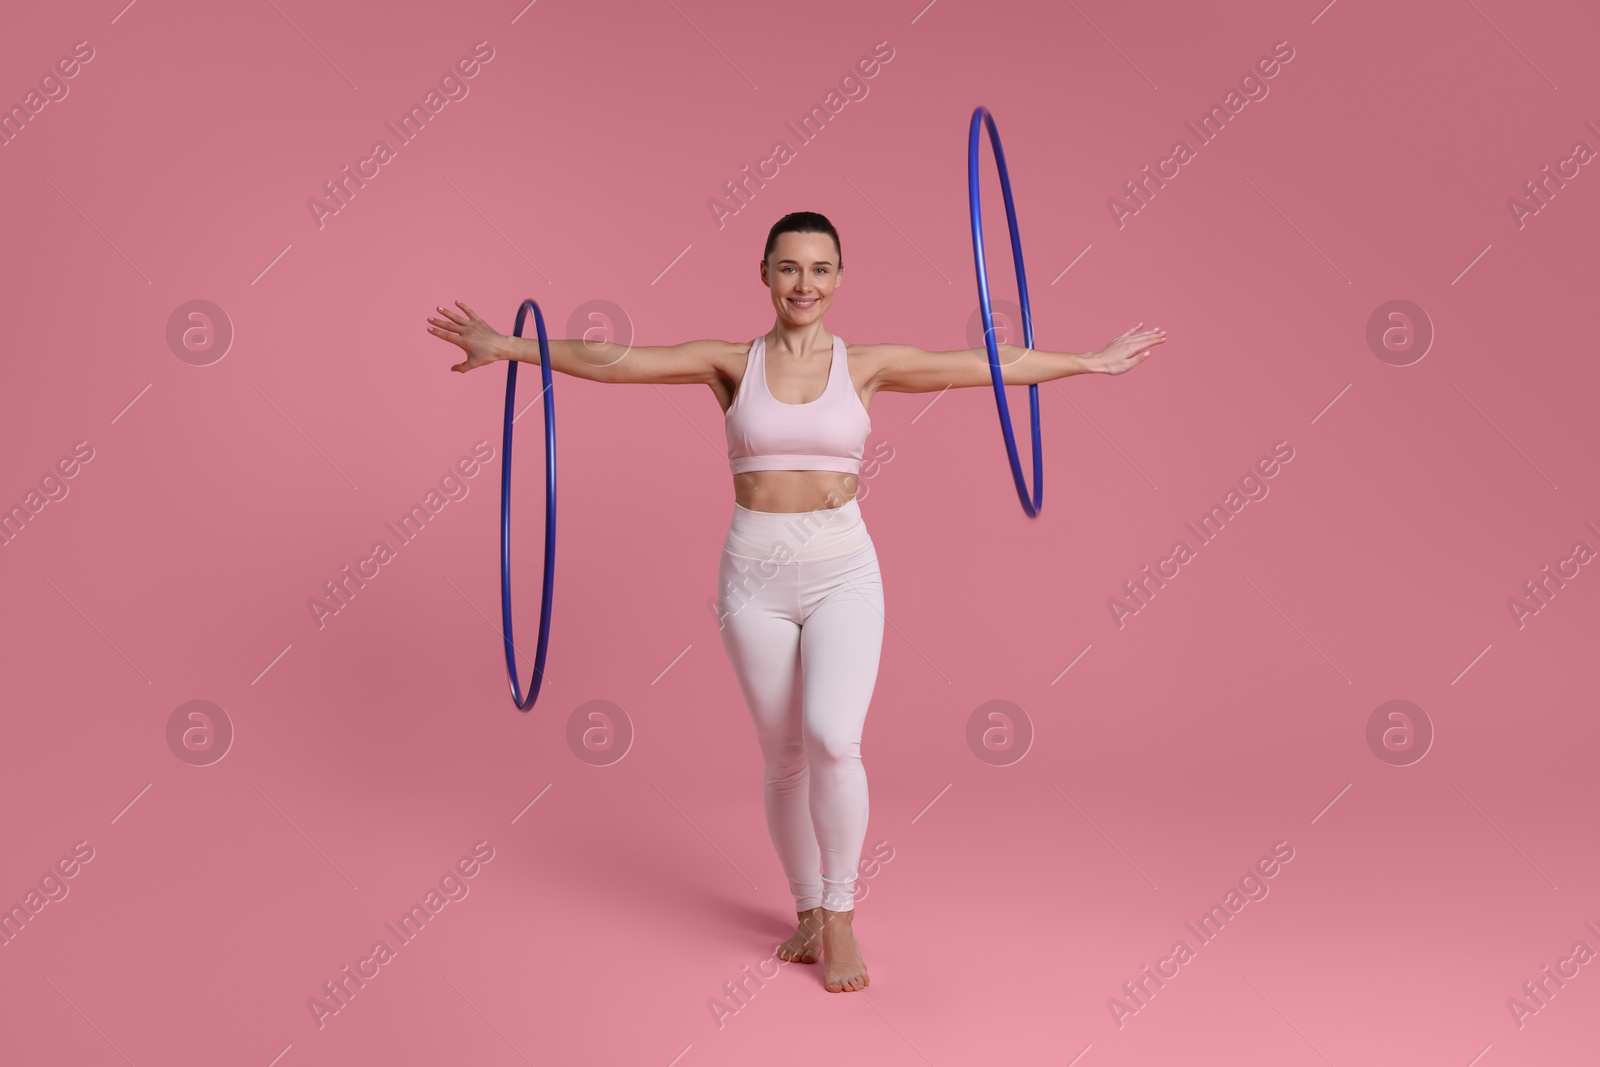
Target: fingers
451	315
469	311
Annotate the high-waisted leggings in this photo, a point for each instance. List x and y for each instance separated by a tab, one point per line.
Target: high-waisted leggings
800	607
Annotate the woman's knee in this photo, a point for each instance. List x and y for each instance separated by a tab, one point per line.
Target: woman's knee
832	747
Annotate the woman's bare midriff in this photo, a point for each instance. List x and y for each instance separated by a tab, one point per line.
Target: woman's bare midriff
793	490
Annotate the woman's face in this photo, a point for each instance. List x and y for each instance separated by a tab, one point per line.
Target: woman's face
802	272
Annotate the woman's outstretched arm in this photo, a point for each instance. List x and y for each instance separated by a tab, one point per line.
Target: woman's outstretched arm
598	361
908	369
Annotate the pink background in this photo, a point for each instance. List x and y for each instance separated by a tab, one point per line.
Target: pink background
1230	713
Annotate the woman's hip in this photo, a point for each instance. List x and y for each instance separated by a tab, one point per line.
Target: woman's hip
784	537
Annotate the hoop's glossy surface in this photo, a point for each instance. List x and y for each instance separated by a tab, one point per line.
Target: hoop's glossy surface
534	683
981	118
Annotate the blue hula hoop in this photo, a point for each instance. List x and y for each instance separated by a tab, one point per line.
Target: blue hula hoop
537	680
981	116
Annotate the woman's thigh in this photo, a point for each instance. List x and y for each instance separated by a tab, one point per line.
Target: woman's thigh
841	641
761	634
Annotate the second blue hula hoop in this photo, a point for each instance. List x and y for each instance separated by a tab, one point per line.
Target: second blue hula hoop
980	118
537	681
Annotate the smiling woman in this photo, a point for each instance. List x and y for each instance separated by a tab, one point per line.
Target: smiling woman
800	597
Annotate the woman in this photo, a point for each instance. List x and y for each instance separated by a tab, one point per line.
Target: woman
800	600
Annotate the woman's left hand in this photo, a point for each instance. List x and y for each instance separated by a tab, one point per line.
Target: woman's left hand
1125	351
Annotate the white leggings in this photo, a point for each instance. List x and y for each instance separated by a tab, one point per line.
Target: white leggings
800	607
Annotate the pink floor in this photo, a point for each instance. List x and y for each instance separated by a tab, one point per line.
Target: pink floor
1376	269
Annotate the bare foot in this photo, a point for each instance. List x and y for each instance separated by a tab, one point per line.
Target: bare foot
802	947
843	970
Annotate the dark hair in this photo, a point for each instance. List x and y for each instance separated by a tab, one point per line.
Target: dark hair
802	222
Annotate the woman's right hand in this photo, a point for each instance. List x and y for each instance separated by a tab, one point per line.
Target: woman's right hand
466	328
